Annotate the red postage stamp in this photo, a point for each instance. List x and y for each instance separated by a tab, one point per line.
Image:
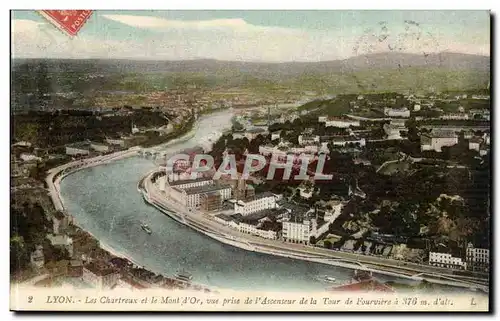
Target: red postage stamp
69	21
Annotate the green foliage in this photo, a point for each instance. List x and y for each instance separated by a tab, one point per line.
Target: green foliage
29	227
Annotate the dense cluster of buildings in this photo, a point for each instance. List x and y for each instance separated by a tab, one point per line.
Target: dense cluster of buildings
439	138
264	214
476	259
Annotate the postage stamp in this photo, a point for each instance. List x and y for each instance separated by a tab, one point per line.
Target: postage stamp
69	21
250	161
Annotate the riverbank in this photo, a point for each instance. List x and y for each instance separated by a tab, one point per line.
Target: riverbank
57	174
171	246
212	229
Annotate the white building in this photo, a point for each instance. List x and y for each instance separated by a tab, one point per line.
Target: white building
189	183
261	202
438	139
417	107
275	135
297	232
392	131
477	258
475	143
343	141
486	138
458	116
116	142
226	220
272	150
63	241
306	192
397	112
308	140
254	132
267	234
340	122
399	122
324	148
100	277
98	147
446	260
22	144
25	157
468	134
78	149
191	197
254	230
483	150
481	97
309	149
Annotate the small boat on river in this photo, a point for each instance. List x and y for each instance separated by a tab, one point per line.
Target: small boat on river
146	228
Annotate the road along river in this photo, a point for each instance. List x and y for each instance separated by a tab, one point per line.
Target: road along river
104	201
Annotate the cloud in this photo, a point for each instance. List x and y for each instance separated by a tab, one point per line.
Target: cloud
32	39
231	39
159	23
24	25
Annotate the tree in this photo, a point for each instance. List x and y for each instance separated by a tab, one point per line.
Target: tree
19	255
312	240
327	244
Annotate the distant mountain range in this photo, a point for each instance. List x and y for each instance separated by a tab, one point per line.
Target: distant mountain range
390	60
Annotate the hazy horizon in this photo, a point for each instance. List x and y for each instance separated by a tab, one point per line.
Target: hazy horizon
152	59
253	36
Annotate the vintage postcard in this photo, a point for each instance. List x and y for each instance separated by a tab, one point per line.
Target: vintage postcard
250	160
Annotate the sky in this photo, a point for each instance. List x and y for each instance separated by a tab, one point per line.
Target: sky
260	36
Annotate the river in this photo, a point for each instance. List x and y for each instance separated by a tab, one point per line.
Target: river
104	201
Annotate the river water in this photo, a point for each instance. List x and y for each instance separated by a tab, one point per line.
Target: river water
104	201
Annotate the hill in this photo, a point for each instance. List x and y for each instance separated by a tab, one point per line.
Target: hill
370	73
390	60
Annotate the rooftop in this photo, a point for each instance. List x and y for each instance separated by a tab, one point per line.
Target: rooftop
254	217
210	194
99	270
443	133
345	119
79	145
224	217
205	189
259	196
397	109
476	139
187	181
255	130
296	209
